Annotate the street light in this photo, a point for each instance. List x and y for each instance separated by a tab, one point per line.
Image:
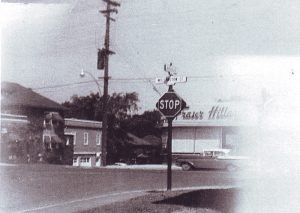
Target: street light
82	74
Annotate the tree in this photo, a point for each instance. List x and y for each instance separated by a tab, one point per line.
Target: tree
84	107
120	106
144	124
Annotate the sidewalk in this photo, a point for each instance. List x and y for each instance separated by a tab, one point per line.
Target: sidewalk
115	166
7	164
142	166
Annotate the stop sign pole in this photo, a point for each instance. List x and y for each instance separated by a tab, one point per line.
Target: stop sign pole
170	105
169	154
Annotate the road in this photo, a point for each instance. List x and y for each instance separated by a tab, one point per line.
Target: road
33	188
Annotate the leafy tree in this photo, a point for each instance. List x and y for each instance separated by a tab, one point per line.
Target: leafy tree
144	124
120	106
84	107
153	116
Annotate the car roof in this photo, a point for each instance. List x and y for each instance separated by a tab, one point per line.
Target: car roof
217	150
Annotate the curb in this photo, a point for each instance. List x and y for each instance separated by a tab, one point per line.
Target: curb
142	167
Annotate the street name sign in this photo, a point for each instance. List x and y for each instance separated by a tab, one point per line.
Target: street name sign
170	104
171	80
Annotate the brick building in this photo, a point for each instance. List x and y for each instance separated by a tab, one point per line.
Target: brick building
85	137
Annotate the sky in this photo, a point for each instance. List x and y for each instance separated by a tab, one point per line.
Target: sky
228	50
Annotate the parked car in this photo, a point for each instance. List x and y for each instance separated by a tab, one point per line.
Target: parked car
212	159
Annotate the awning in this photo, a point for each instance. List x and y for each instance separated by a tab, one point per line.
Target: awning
142	155
155	141
136	141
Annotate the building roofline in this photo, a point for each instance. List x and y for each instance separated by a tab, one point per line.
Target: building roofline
13	115
207	124
13	118
82	123
16	95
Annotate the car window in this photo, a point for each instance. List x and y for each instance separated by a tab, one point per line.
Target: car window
219	153
209	153
215	153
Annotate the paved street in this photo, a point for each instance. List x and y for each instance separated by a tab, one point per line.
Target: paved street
45	187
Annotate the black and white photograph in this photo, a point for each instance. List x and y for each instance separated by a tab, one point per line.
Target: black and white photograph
163	106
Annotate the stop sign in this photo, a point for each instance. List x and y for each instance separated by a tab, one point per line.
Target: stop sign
170	104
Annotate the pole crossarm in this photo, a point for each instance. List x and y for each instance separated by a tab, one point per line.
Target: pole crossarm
110	52
109	11
113	3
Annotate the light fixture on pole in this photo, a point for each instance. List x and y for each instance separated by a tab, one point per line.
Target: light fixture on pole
82	75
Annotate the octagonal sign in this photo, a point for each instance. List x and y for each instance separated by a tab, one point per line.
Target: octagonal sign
170	104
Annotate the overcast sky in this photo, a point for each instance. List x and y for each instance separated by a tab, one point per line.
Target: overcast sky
231	48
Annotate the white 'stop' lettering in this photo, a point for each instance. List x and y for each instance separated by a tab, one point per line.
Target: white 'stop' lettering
169	104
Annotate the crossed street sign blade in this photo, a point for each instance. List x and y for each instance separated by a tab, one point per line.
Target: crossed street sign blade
171	80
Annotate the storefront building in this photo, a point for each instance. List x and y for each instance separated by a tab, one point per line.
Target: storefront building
85	138
213	126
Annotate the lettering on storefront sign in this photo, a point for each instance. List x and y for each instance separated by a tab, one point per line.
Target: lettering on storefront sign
218	112
192	115
214	113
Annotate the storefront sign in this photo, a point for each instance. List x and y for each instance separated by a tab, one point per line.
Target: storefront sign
220	112
192	115
216	112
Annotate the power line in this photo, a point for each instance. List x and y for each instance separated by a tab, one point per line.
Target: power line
62	85
143	80
131	63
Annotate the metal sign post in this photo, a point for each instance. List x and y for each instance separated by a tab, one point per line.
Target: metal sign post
169	155
170	105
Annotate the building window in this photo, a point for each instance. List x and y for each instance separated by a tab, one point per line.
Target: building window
70	138
46	139
74	160
85	138
84	160
98	139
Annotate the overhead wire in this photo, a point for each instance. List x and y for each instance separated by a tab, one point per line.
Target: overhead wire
140	79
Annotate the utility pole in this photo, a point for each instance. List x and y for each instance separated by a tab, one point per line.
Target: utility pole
109	9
